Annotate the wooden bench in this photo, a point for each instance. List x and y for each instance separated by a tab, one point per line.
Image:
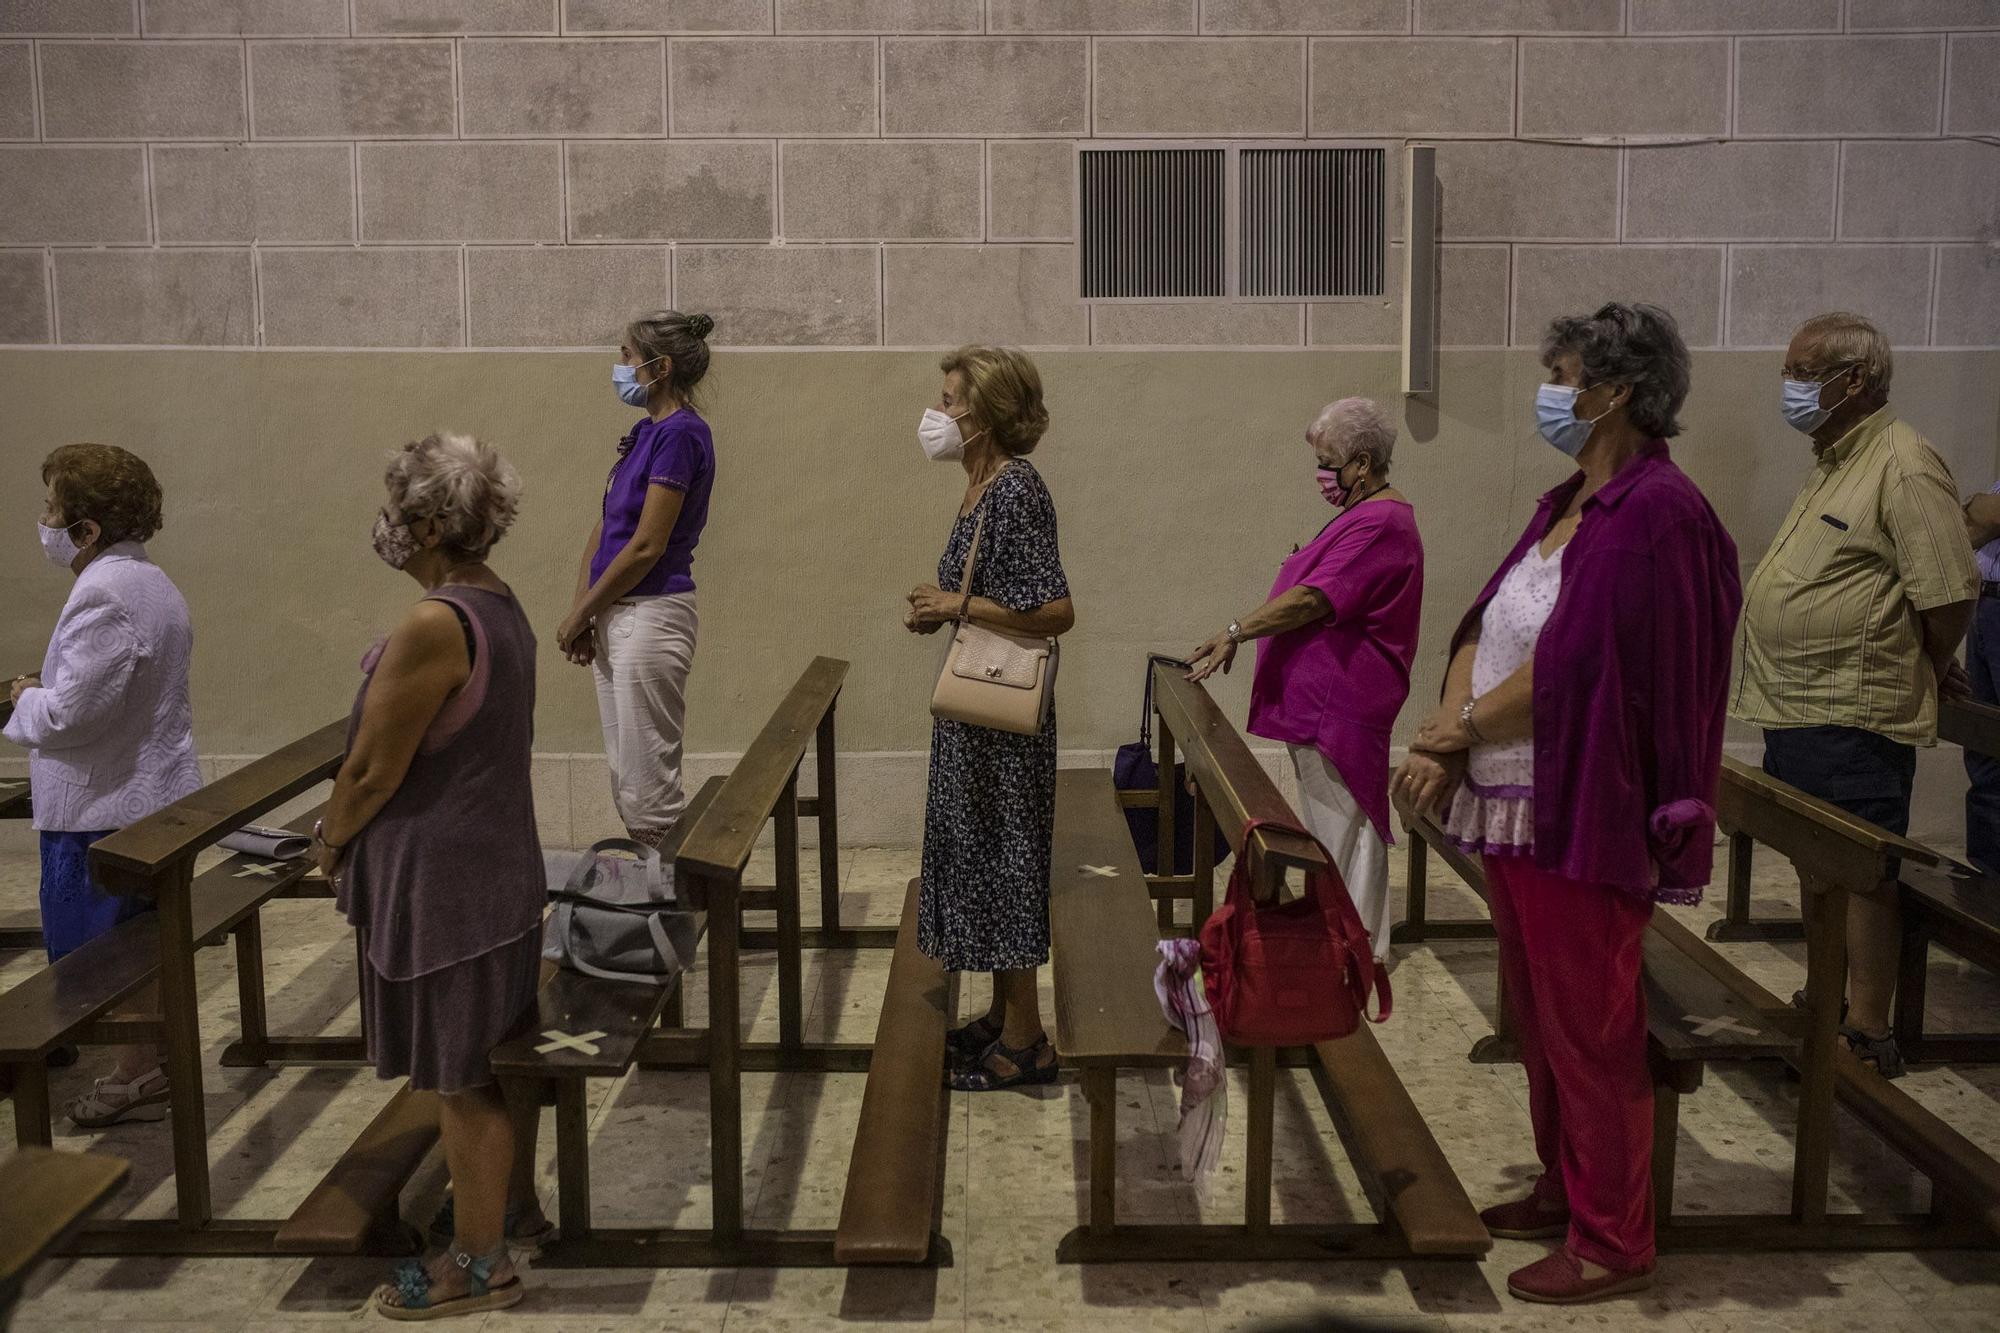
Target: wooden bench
612	1018
44	1196
716	844
353	1209
155	858
66	1001
890	1212
15	801
1952	905
20	930
1702	1010
1105	936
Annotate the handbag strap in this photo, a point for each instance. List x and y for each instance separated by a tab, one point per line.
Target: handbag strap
1146	717
971	554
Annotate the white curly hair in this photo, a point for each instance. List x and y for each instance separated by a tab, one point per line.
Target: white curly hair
1356	425
464	484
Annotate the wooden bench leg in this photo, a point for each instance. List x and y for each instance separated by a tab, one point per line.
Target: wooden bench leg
1204	862
791	961
725	1075
1499	1048
1100	1088
1912	976
1666	1139
31	1105
826	807
1169	797
572	1158
1410	930
179	998
1826	984
1258	1135
255	1040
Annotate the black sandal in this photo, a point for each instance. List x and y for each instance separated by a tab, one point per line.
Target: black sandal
1882	1051
963	1046
1028	1071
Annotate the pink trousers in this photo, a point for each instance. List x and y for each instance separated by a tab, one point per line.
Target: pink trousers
1570	962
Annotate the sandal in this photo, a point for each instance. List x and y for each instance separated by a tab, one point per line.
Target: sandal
107	1103
1028	1071
529	1238
1880	1052
409	1296
963	1046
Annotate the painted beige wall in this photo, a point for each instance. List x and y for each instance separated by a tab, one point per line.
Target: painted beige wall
1180	479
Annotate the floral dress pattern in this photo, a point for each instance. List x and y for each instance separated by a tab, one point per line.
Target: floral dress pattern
990	815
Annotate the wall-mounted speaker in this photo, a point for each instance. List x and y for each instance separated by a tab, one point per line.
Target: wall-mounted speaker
1420	269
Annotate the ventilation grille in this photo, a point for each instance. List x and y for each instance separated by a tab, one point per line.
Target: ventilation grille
1154	222
1311	222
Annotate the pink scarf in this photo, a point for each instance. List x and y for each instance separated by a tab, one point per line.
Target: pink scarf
1204	1083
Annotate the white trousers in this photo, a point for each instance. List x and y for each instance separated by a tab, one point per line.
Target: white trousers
645	647
1333	816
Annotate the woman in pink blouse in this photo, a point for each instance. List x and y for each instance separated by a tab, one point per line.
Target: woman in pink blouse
1341	631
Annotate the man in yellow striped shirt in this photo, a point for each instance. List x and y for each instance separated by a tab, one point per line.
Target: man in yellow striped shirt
1852	621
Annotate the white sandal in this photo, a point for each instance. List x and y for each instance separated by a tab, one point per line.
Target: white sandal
108	1102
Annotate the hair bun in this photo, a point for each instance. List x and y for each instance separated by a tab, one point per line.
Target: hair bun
700	325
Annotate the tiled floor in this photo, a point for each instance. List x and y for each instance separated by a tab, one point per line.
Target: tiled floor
1011	1187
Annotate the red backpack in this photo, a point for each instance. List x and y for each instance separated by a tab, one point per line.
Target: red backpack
1290	974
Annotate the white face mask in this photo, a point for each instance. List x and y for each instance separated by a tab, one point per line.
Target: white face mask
937	435
57	545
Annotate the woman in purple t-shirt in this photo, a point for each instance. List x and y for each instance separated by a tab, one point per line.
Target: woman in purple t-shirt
1339	633
633	619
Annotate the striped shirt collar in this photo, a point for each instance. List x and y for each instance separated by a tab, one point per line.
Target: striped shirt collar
1864	432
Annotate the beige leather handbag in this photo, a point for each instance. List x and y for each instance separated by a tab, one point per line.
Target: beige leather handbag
991	678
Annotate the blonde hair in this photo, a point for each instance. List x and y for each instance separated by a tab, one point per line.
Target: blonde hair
1003	391
1842	338
466	486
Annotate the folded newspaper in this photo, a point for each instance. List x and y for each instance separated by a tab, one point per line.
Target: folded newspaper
279	844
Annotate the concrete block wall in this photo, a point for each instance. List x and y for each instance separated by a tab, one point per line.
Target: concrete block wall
841	173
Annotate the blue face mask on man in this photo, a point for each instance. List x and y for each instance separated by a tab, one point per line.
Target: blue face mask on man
1799	402
1556	418
625	382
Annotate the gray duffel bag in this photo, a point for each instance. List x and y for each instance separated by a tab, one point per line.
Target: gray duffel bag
615	916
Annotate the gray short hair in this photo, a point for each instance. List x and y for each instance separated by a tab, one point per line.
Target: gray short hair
465	485
1843	338
1639	345
1357	425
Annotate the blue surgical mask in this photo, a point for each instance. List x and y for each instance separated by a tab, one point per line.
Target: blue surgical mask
1556	418
1800	404
625	381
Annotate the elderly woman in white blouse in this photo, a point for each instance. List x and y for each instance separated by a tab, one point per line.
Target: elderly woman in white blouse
107	722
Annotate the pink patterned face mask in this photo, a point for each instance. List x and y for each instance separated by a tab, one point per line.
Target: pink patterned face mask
394	542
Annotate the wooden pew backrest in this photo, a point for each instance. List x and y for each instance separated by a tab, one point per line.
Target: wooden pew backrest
1228	775
128	860
721	840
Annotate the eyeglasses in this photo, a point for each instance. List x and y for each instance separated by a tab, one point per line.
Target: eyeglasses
1814	376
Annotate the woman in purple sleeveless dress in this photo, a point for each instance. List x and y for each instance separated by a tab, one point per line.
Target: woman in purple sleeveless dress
430	838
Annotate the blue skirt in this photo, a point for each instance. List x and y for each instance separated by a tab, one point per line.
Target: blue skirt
75	910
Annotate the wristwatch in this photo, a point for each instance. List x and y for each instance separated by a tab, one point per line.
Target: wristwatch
1235	632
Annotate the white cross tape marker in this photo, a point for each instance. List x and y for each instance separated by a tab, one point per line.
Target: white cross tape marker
1708	1027
265	868
1102	872
563	1041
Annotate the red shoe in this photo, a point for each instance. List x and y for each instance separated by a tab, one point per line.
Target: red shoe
1525	1219
1559	1280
